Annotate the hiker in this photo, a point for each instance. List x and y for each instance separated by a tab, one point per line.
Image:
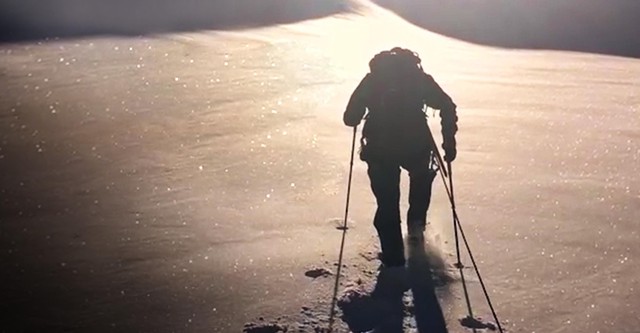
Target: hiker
396	135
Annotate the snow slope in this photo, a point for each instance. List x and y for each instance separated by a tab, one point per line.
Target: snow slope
185	182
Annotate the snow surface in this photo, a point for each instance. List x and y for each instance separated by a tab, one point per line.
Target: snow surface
186	182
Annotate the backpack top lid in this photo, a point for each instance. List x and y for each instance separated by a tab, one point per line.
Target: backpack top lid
396	59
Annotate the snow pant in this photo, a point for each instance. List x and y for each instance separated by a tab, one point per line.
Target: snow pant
385	184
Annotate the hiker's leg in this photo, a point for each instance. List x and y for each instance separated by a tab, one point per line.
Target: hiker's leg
385	184
420	180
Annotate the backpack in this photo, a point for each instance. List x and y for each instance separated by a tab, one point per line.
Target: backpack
395	126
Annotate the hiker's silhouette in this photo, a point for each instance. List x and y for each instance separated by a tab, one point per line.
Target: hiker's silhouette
396	135
392	98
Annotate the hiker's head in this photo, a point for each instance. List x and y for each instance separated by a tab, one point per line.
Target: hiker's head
395	60
406	55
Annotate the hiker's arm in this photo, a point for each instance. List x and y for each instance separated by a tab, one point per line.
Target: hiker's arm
436	98
357	103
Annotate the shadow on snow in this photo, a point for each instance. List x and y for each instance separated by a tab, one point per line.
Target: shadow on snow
385	308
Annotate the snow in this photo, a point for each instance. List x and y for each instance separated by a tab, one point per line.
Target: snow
187	181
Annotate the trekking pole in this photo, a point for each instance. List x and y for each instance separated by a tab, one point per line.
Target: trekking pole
458	264
344	233
458	229
458	226
445	172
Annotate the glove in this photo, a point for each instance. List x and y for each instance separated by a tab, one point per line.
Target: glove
450	154
450	151
351	120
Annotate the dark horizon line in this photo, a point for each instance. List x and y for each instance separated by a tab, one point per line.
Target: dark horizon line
545	25
32	20
608	27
